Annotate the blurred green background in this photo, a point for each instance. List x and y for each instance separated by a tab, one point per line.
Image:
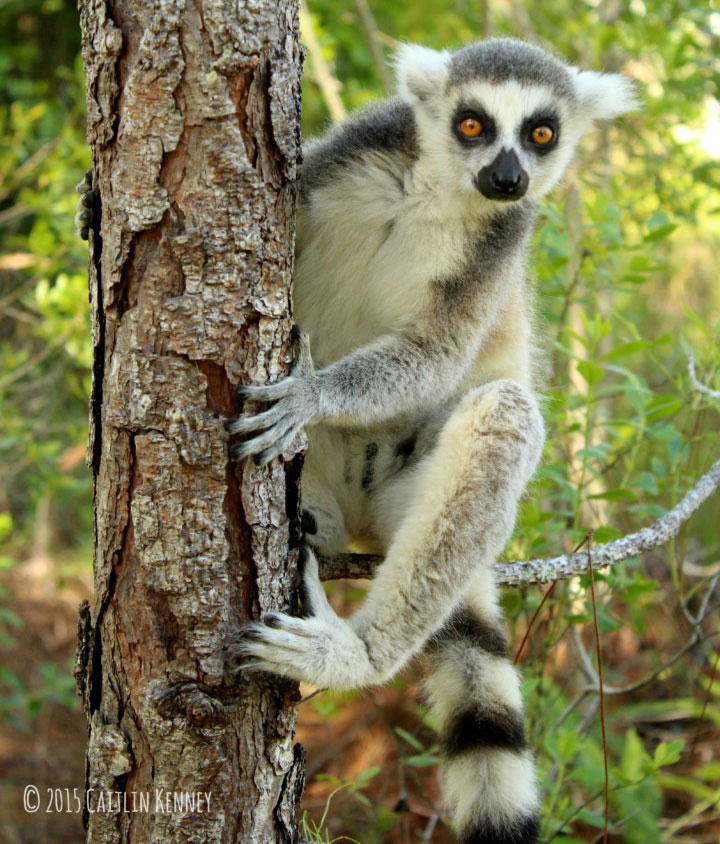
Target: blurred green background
627	263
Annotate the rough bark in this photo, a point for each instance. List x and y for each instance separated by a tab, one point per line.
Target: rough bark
193	119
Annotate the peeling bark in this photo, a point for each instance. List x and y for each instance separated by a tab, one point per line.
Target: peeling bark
193	119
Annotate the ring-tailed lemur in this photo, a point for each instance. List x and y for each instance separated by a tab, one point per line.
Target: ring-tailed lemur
413	223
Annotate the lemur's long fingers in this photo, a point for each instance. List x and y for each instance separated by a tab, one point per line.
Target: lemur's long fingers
289	623
257	639
314	599
265	392
267	440
283	444
257	422
301	346
85	184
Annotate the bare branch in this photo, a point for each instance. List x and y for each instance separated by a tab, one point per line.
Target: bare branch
373	35
697	386
566	565
697	635
321	74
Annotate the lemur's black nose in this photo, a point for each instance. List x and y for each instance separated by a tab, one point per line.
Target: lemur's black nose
503	178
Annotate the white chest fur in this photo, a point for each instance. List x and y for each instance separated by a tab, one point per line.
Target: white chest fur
368	249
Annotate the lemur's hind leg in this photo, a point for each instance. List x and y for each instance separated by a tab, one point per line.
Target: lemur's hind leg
459	512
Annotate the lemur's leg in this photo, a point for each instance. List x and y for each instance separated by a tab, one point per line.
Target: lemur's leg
459	514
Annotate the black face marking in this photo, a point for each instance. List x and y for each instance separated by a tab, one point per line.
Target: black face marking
476	111
504	59
466	628
388	126
368	475
540	118
521	831
481	727
503	179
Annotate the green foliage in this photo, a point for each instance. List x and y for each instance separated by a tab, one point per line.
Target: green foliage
20	705
44	340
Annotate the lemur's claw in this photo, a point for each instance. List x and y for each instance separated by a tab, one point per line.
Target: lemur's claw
293	403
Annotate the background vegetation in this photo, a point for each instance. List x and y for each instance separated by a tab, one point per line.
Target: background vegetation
627	268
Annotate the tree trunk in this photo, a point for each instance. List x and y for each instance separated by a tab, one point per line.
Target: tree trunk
193	118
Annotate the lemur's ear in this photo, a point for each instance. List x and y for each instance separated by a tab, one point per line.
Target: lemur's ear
605	95
421	72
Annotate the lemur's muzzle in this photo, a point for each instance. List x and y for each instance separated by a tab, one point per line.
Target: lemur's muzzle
503	178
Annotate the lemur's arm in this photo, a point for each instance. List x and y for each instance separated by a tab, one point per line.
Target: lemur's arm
393	375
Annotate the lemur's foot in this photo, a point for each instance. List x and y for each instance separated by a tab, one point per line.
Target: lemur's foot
294	404
84	210
320	648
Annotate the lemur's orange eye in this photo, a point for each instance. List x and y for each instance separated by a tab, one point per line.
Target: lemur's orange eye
542	134
471	127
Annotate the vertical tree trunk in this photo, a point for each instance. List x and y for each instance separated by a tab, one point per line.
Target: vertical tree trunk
193	110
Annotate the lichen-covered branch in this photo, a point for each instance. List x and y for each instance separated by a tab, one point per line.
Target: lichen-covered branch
566	565
697	385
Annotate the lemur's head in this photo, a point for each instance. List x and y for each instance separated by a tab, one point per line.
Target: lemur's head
502	116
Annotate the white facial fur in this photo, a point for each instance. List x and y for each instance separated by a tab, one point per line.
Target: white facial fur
423	81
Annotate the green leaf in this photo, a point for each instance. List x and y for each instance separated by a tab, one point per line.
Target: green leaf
659	407
626	349
617	494
606	534
409	738
365	776
422	760
591	372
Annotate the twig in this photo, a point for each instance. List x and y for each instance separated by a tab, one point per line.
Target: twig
583	657
706	700
568	565
311	696
322	75
697	386
569	709
600	690
590	800
22	370
430	828
696	637
532	621
542	604
366	16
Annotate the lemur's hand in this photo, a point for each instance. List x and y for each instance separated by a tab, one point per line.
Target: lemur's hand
321	649
85	205
295	403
